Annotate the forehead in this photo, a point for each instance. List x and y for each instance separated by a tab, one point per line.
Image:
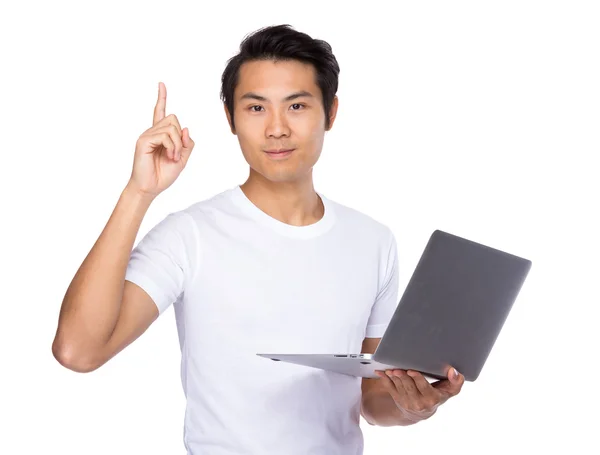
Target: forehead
276	79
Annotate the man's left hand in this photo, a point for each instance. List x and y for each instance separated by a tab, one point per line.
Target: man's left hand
415	397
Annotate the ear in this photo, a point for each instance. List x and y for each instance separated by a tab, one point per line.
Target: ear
228	118
333	112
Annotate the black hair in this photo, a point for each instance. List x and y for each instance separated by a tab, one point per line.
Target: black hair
283	43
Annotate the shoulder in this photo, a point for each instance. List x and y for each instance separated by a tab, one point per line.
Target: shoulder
362	224
204	210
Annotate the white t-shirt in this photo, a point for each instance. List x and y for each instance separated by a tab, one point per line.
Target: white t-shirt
243	283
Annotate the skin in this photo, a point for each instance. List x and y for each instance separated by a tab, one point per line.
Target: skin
403	397
102	313
281	188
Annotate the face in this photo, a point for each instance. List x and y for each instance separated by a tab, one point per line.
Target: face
278	105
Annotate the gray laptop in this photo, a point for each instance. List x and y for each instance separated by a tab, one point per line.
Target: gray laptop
450	313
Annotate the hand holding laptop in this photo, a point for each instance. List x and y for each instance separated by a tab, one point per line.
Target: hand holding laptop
415	397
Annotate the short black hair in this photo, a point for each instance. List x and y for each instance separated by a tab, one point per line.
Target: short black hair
283	43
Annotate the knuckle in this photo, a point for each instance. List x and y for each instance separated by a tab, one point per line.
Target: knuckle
385	382
392	390
397	398
430	403
420	406
174	119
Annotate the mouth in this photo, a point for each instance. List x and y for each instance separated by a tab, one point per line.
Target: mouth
281	153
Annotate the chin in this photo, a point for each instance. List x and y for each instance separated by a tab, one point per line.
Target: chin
282	175
284	171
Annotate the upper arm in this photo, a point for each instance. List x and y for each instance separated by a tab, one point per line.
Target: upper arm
163	259
383	308
138	311
386	299
154	279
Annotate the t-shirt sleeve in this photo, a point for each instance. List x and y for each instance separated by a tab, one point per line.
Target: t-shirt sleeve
387	298
161	261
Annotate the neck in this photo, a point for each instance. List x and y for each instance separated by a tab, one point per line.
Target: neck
295	203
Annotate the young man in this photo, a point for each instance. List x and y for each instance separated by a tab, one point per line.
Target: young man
270	265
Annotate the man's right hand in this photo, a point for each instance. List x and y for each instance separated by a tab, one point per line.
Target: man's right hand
161	152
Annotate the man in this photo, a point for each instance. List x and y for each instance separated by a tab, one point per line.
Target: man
270	265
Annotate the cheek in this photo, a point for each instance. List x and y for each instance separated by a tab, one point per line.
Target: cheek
315	129
249	138
314	142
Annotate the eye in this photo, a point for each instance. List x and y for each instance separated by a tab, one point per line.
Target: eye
251	108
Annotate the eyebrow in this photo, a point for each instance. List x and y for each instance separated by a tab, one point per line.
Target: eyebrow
293	96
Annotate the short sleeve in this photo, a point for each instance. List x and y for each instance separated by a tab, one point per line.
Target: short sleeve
161	261
387	298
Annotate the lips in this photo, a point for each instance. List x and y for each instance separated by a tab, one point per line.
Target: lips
279	154
276	151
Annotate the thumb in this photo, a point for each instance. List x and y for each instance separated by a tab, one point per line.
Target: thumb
450	385
454	376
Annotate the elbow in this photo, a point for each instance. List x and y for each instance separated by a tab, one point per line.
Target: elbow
70	358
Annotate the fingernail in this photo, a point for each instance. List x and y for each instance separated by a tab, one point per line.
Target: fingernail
455	373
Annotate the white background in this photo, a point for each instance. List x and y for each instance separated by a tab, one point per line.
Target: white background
479	118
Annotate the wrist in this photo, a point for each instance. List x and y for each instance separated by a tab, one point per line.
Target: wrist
131	191
380	409
135	199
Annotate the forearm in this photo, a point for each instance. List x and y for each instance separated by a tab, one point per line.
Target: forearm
91	306
378	408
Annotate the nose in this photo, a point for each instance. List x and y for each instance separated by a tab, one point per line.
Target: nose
277	125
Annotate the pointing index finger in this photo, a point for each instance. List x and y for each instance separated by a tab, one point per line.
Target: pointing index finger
161	104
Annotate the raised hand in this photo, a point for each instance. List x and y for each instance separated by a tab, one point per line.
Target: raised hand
161	152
